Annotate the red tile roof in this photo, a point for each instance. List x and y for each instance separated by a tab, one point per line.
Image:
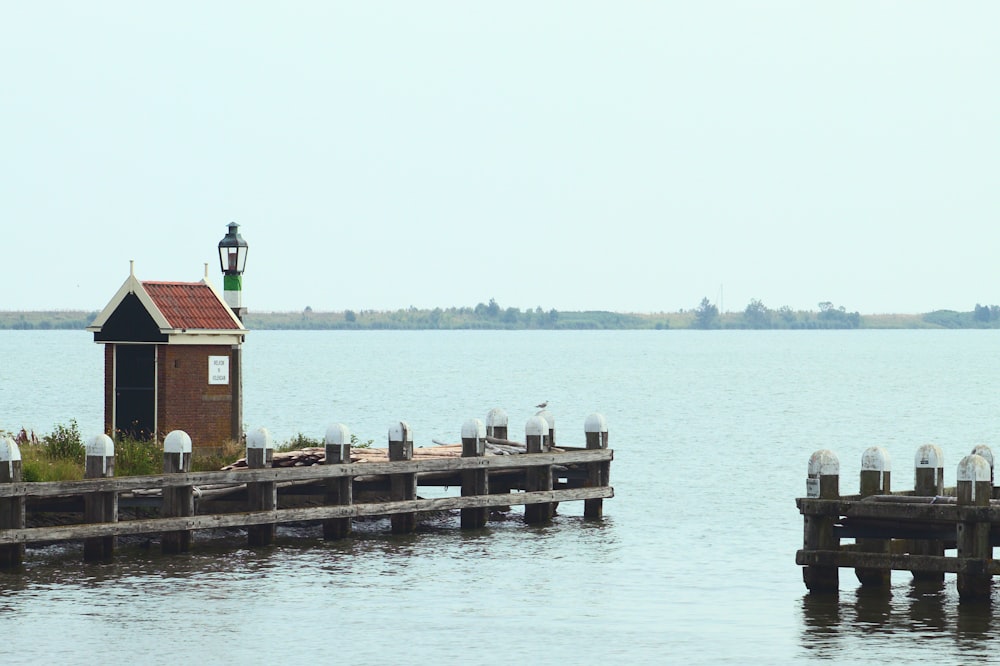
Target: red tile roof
188	305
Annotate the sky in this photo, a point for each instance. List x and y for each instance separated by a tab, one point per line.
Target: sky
626	156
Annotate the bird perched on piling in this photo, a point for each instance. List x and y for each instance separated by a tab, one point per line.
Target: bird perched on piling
542	405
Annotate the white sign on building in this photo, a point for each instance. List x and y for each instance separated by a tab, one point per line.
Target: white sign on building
218	369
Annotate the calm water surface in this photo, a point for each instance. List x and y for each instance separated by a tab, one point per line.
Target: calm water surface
693	563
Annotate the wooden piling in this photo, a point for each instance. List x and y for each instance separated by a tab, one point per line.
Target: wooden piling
339	490
178	501
496	423
973	530
875	480
595	428
928	482
11	508
100	507
402	486
537	478
987	453
822	482
550	428
261	495
474	481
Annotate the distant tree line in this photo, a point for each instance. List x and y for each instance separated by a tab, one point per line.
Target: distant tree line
491	315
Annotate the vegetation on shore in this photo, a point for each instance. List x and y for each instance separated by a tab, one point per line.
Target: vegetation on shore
61	455
756	315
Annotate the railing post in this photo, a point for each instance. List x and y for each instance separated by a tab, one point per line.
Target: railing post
100	507
928	482
261	495
339	490
178	501
595	428
11	508
876	468
474	481
537	477
823	482
402	486
972	534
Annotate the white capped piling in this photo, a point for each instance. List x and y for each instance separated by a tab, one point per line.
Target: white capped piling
496	423
876	468
972	535
178	501
540	477
822	482
100	507
11	508
550	432
339	490
474	481
987	453
595	428
261	495
402	487
928	481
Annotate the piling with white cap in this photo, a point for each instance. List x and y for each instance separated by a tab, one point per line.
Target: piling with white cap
339	489
474	481
538	478
928	475
178	501
11	508
261	495
595	428
403	487
822	482
876	468
100	507
974	488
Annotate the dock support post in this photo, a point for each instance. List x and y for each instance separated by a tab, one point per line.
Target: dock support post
598	474
496	423
474	481
402	486
100	507
987	453
261	495
973	530
928	482
540	477
823	482
11	508
339	490
178	501
875	480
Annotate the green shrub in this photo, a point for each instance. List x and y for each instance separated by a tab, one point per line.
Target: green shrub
64	443
137	457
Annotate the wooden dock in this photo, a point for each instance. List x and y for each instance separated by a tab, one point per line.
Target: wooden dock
260	496
929	531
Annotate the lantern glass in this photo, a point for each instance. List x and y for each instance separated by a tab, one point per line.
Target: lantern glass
233	252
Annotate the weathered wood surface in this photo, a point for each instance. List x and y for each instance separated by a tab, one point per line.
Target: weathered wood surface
896	561
905	512
244	519
365	467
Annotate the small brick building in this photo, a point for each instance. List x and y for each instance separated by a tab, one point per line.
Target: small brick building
172	361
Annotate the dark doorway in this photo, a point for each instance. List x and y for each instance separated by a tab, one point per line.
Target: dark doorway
135	391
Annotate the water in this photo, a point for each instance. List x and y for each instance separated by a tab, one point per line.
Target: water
693	563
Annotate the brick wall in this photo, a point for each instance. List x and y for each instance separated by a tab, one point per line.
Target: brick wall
185	399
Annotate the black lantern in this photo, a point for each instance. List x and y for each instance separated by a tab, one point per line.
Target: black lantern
233	251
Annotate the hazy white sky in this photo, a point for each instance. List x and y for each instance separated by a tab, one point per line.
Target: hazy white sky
628	156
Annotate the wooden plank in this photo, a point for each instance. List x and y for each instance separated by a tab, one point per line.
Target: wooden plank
132	483
895	561
244	519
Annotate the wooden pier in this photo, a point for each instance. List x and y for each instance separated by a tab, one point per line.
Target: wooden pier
915	530
260	496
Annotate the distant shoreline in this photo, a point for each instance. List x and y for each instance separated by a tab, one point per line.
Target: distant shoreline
514	319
